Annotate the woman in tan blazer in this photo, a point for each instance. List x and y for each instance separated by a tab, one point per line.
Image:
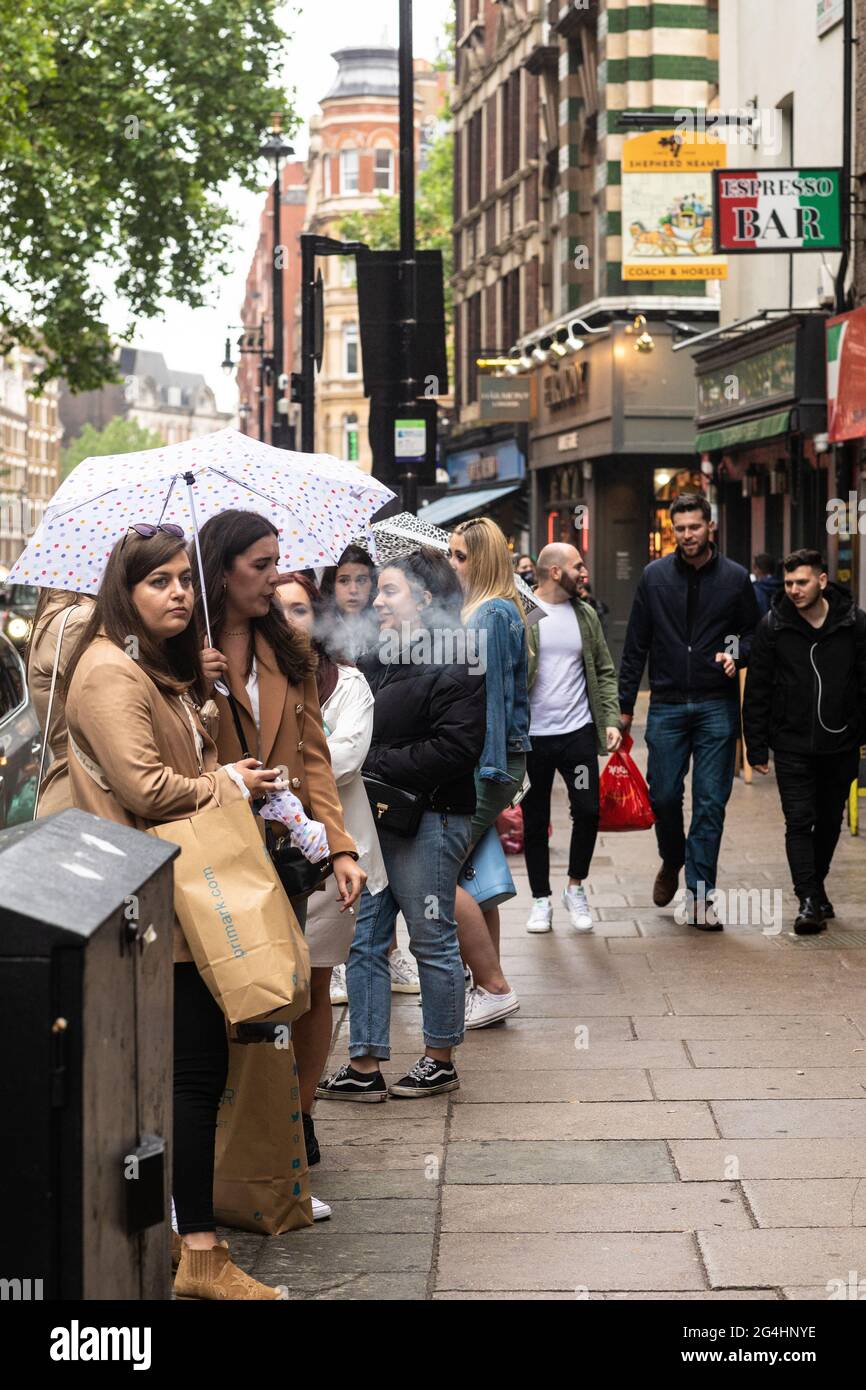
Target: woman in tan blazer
55	793
270	669
140	753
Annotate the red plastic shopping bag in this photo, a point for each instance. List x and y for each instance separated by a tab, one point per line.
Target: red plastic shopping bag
624	802
509	828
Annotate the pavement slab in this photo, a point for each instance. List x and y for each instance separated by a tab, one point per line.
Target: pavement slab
568	1261
521	1161
791	1159
812	1202
601	1207
578	1120
779	1258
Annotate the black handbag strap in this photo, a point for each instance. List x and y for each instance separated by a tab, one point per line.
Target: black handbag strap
239	728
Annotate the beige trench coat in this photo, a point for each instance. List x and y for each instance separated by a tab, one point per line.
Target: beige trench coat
56	794
142	742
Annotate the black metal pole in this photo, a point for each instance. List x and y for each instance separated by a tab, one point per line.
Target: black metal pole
308	376
262	381
847	146
408	267
278	422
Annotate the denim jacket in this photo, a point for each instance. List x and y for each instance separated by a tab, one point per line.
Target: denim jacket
507	698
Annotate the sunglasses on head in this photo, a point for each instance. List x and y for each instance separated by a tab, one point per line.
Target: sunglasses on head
147	531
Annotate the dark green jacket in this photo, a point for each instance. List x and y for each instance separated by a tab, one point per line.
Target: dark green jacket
601	689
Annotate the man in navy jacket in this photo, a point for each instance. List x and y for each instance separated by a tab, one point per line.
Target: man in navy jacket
694	615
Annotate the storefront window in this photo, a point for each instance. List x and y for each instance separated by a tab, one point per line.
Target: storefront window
669	483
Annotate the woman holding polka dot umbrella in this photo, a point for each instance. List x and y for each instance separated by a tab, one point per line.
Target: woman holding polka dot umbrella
317	503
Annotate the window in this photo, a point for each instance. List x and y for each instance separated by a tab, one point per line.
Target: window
350	438
326	175
350	348
383	171
348	171
347	270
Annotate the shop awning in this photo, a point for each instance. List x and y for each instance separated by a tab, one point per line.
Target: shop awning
452	508
749	432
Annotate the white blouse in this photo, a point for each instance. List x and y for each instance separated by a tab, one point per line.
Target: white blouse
348	718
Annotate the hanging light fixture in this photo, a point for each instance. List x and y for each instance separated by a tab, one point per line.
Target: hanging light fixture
645	342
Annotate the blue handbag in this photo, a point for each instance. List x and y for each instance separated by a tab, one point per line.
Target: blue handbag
486	875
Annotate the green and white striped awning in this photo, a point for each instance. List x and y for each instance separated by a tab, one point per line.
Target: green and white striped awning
748	432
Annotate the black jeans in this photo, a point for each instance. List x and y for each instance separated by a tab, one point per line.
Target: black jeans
200	1069
575	757
814	789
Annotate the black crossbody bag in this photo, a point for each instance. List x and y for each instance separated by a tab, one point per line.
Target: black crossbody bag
394	808
297	875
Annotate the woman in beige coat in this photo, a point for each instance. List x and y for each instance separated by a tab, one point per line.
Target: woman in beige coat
53	607
140	753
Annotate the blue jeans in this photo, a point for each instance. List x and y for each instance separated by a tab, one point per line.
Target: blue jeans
422	881
706	732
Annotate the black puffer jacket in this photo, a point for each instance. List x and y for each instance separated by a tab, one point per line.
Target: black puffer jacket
682	664
429	726
806	686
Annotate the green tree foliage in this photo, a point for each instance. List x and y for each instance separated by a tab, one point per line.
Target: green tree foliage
119	436
120	122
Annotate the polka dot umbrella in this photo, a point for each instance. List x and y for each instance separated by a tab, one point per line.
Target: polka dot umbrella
317	503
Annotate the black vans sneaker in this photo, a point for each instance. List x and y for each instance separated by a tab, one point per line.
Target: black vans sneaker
348	1084
426	1078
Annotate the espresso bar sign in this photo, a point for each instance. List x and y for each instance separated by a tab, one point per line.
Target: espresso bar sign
566	386
786	210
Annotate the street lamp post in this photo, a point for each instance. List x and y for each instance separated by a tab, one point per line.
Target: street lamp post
408	264
252	342
275	150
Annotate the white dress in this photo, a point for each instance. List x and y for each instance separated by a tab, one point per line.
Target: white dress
348	718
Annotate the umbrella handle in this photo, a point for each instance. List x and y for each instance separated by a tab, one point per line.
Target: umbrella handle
189	479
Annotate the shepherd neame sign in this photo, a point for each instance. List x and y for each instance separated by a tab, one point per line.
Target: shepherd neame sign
786	210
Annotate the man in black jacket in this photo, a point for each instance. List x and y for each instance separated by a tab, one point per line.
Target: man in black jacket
693	614
806	699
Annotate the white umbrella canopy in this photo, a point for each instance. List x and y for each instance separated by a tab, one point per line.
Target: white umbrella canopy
318	504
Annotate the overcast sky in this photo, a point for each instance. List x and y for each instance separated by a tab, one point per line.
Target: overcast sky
192	340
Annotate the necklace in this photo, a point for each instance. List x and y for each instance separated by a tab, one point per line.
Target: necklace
238	632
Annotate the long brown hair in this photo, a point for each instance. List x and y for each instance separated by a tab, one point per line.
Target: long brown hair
174	665
329	657
222	539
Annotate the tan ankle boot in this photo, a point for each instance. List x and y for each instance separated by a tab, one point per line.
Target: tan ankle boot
210	1274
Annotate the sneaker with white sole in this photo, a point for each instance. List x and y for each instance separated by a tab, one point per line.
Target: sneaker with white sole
404	974
349	1084
321	1210
575	903
427	1078
540	918
338	985
483	1008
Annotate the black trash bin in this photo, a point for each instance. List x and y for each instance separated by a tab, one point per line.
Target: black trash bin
86	1040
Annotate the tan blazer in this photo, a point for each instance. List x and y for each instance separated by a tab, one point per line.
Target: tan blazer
56	793
142	743
291	736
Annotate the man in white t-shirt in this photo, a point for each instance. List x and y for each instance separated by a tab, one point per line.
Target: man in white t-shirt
574	716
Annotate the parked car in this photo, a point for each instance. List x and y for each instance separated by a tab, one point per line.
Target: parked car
17	610
20	740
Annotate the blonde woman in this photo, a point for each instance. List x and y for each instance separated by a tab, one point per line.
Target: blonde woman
480	557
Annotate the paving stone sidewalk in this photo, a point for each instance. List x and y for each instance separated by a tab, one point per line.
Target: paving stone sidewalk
671	1115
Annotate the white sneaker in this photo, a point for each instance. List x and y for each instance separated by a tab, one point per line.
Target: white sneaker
483	1008
321	1210
338	985
404	974
575	903
541	917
